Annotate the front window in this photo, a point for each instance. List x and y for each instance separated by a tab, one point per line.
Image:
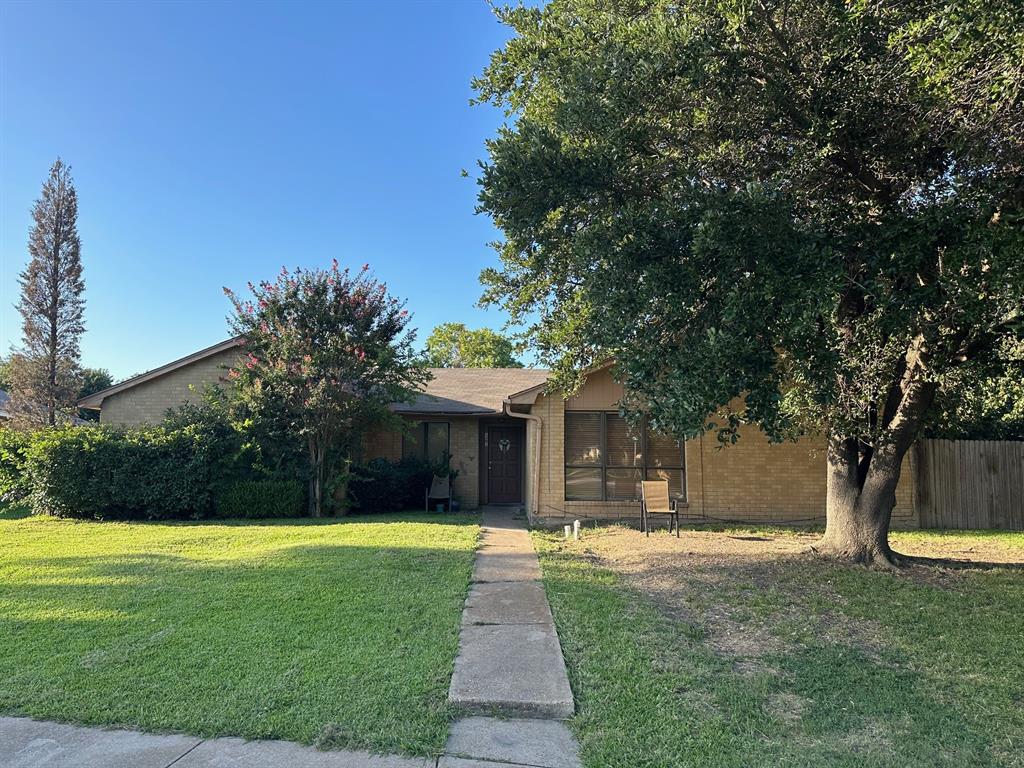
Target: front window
427	440
606	458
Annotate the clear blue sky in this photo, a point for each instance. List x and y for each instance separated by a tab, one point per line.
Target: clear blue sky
213	143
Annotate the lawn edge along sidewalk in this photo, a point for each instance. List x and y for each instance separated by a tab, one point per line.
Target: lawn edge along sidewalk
510	662
27	743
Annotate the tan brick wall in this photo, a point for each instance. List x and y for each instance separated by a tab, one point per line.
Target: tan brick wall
752	480
147	403
464	445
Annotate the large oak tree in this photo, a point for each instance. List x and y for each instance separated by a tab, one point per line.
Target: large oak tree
809	208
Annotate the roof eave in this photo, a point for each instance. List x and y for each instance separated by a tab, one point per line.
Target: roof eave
95	400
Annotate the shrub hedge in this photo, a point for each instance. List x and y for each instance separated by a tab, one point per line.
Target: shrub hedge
391	486
13	478
155	473
99	472
257	499
180	470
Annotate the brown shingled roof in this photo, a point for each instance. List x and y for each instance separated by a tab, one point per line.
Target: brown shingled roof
472	390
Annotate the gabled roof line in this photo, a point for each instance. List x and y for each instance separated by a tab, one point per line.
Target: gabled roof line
95	400
529	396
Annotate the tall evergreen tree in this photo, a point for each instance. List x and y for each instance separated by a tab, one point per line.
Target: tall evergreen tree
45	374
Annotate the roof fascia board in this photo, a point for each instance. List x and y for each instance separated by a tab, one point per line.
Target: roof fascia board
95	400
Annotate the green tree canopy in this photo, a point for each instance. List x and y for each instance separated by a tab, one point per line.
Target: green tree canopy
810	207
93	380
453	345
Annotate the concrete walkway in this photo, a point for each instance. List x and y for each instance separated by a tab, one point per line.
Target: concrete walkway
509	668
510	664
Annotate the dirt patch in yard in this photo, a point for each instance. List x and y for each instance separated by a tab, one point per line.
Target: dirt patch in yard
758	594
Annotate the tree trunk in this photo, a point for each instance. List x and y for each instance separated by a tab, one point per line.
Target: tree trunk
316	478
862	479
859	504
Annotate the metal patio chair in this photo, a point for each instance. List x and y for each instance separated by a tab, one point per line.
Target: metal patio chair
440	490
655	501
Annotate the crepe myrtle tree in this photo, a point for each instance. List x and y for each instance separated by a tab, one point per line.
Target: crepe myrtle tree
804	215
325	353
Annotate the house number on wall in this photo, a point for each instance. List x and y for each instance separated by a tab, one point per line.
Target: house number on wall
504	444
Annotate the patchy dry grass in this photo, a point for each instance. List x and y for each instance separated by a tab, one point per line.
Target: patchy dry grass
733	648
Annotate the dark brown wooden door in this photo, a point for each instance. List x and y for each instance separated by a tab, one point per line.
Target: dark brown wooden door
504	465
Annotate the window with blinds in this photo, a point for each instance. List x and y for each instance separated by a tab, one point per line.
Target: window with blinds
606	458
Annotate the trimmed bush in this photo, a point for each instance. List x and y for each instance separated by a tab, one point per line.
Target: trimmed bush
258	499
99	472
389	486
13	456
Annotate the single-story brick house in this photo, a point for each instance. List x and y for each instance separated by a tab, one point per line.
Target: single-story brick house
559	458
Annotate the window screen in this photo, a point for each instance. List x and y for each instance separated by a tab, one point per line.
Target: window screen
606	458
436	443
582	438
428	440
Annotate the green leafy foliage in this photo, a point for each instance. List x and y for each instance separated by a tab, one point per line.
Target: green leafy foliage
259	499
93	380
253	446
327	352
197	464
805	215
381	485
453	345
103	473
983	404
13	457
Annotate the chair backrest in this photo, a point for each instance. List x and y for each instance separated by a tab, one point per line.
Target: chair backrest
655	494
439	487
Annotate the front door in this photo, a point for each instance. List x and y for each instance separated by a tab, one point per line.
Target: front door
504	464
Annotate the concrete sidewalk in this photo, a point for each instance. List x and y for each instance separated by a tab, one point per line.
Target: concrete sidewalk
26	743
510	662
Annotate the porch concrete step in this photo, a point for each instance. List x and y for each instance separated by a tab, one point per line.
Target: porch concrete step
513	670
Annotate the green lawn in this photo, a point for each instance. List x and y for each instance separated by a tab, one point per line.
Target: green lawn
688	654
334	633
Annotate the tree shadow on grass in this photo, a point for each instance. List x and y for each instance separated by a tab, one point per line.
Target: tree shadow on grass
957	564
14	511
655	690
283	644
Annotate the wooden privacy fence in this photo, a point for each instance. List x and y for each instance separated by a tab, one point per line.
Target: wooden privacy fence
970	484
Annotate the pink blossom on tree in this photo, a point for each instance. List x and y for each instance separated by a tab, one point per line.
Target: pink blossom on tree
327	353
